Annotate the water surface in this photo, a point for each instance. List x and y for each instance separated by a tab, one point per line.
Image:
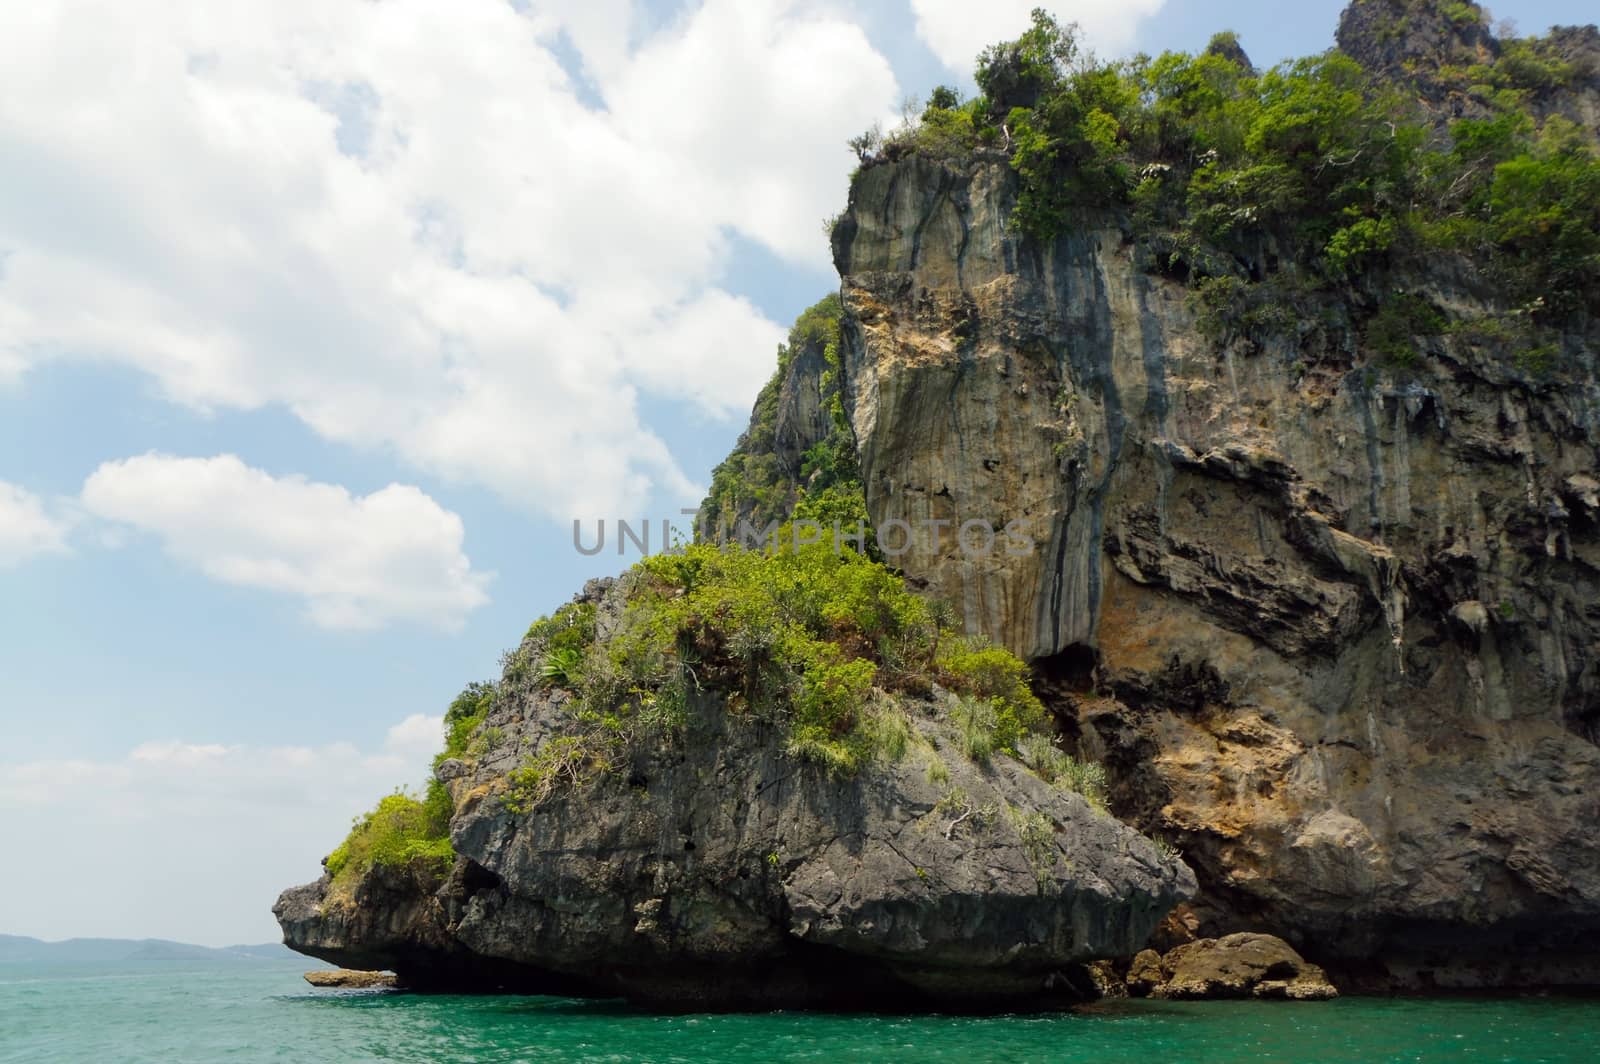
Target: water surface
175	1012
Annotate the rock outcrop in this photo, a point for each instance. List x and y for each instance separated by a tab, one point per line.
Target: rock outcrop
718	871
1412	43
1334	626
349	979
1241	965
1436	52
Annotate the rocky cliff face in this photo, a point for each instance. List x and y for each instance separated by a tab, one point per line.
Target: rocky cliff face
716	870
1334	626
1437	52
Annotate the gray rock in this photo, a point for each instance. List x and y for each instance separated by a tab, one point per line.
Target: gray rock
1424	45
801	422
718	871
451	769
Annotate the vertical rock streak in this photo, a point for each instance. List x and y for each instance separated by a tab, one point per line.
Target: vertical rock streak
1282	678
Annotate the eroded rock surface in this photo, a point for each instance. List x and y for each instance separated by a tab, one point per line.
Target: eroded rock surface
1436	52
348	979
719	871
1336	633
1334	625
1234	966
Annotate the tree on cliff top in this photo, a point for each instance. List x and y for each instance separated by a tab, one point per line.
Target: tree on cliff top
1345	167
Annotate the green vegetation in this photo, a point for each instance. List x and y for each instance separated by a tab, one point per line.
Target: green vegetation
402	831
1001	709
1263	188
1525	65
1055	766
1394	330
563	666
754	485
1460	13
485	741
463	717
562	760
407	831
804	638
1038	835
562	638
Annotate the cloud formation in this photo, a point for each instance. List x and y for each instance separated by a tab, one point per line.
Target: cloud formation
957	30
356	561
198	837
26	529
467	234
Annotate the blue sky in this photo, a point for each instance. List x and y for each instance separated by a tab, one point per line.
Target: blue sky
524	262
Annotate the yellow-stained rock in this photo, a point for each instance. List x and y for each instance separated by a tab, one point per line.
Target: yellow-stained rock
347	979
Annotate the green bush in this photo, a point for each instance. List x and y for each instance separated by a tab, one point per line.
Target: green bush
751	481
569	628
976	722
563	666
465	714
997	678
1525	65
401	831
1394	330
943	132
1216	163
1037	834
561	761
1031	66
1057	767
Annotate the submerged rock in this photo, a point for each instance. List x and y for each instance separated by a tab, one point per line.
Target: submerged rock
348	979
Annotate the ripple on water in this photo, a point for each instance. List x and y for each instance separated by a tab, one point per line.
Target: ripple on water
163	1013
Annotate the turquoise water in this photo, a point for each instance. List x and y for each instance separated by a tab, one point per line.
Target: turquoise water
173	1013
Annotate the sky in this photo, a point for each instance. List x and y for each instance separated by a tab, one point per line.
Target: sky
321	321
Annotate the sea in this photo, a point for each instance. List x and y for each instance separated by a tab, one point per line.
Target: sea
177	1011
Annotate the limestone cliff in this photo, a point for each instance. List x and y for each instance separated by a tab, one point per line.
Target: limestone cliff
1336	632
1333	621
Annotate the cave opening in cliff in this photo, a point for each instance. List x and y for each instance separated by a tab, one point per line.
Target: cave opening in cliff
1060	680
1068	671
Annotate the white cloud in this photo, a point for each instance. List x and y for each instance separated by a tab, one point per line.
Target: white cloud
416	737
488	285
190	841
957	30
357	561
26	529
